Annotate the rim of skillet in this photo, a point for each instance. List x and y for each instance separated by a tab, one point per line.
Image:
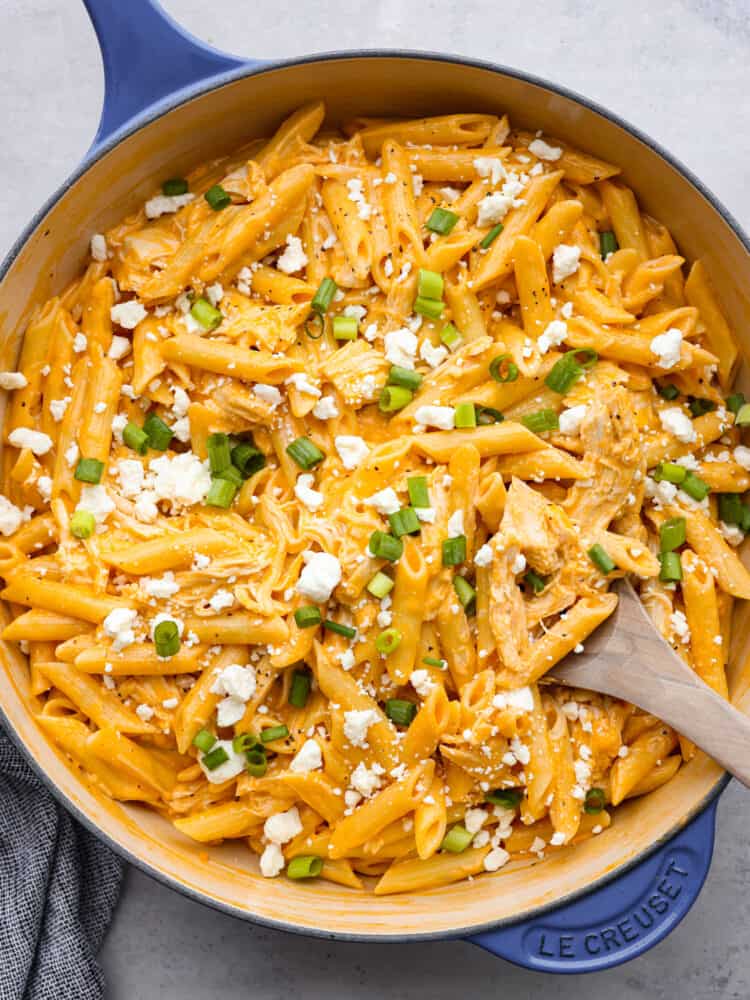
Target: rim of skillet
152	113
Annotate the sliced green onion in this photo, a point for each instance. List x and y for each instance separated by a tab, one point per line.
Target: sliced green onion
743	416
404	377
466	415
430	285
488	415
380	585
672	534
668	391
217	197
232	475
745	522
388	641
174	186
542	420
315	320
508	798
400	711
698	406
536	582
256	763
595	801
566	372
489	238
735	402
136	438
345	327
441	221
166	639
274	733
503	368
394	397
246	742
670	471
384	546
450	337
457	839
221	493
304	453
431	308
299	691
89	470
82	524
159	434
219	452
206	314
694	486
404	522
308	616
204	740
601	559
346	630
248	459
433	661
304	866
607	243
465	593
671	567
454	551
418	493
730	508
324	295
215	758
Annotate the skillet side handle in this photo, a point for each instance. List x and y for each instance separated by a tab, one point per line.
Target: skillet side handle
619	921
147	57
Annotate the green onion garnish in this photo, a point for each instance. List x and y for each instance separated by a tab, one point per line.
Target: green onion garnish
221	493
346	630
404	377
698	406
607	243
394	397
308	616
536	582
174	186
441	221
388	641
385	546
206	314
248	459
670	471
431	308
503	368
136	438
466	415
433	661
82	524
508	798
274	733
299	691
256	763
217	197
465	593
743	416
489	238
671	567
672	534
745	522
232	475
430	285
315	321
89	470
450	337
246	742
566	372
595	801
345	327
404	522
166	639
204	740
380	585
418	493
668	391
324	296
454	551
730	508
601	559
457	839
488	415
159	434
694	486
215	758
542	420
400	711
735	402
219	452
304	453
304	866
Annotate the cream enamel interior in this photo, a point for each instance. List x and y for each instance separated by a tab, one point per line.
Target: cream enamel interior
219	121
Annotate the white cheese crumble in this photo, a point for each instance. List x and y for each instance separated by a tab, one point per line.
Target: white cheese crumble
352	450
366	780
308	758
119	347
493	208
234	765
456	524
160	587
434	356
325	408
11	517
356	724
13	380
128	314
554	334
666	346
677	422
490	167
385	501
484	556
401	348
268	393
118	625
294	257
544	151
303	490
520	698
570	420
165	204
319	577
565	261
302	383
283	827
98	247
422	682
443	417
35	441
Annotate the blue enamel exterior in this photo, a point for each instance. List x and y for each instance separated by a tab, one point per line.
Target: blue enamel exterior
150	65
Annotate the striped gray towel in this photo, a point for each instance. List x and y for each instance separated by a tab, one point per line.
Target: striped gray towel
58	890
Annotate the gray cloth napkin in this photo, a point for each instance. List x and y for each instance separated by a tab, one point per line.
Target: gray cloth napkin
58	890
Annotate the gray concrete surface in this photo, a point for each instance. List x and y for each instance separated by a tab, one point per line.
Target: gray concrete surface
677	68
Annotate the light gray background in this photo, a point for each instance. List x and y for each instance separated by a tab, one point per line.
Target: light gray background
676	68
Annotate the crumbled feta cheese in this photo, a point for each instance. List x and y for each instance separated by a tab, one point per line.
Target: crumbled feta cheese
484	556
325	408
308	758
356	724
234	765
272	861
319	577
490	167
80	343
425	514
98	247
221	600
294	257
118	625
160	587
303	490
165	204
456	524
421	681
182	479
131	476
741	456
553	335
570	420
520	698
35	441
57	408
677	422
302	383
11	517
474	820
13	380
434	356
283	827
385	501
352	450
450	194
443	417
557	839
567	310
144	712
356	195
544	151
268	393
44	485
519	563
680	626
96	501
565	261
366	780
128	314
493	208
401	347
666	346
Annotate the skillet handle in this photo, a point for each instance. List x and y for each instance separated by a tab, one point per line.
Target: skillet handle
147	57
619	921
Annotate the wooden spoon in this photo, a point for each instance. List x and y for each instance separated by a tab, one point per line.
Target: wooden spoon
627	657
